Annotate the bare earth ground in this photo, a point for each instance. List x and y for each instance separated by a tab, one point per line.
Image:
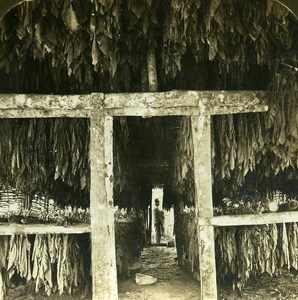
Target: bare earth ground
174	283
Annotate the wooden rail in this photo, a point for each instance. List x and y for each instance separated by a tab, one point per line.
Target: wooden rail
255	219
12	228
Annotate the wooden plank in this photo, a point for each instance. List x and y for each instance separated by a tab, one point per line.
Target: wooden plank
166	111
43	106
234	102
254	219
134	104
153	111
11	229
43	113
204	207
185	103
104	274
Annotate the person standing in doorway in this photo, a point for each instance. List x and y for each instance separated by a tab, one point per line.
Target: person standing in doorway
159	221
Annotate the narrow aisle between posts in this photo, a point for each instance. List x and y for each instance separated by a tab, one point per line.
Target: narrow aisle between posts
172	281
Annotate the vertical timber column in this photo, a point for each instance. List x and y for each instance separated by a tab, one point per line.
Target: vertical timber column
204	208
2	287
151	69
104	272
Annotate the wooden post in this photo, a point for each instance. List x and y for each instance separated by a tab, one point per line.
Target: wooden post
178	208
2	287
204	208
144	75
104	272
151	69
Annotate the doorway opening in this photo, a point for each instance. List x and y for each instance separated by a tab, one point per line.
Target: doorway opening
144	156
146	164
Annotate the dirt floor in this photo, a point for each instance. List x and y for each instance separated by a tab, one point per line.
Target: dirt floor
174	283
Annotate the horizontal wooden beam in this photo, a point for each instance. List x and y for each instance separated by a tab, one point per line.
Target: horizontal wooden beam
11	229
43	113
234	102
185	103
46	106
132	104
254	219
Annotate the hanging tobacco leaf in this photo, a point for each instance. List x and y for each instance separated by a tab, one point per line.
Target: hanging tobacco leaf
70	18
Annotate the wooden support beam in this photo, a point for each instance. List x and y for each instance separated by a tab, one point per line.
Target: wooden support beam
151	69
11	229
254	219
104	272
185	103
132	104
47	106
2	287
201	135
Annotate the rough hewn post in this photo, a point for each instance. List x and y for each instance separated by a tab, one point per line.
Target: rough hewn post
204	208
178	208
151	69
104	273
2	287
144	75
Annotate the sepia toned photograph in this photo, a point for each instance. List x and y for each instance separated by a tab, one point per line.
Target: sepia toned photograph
149	149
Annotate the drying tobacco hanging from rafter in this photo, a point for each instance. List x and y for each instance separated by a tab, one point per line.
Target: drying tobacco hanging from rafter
107	41
39	154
